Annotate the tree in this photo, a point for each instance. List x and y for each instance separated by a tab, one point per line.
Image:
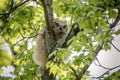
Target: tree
90	32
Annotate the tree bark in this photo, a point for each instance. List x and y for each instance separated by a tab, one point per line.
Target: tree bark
49	37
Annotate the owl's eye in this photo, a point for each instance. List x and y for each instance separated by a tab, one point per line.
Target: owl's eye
56	24
64	26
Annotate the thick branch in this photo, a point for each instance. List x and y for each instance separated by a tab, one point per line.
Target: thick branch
73	70
82	72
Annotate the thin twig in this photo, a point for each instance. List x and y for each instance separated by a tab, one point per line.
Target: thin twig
16	6
24	38
108	71
100	65
115	47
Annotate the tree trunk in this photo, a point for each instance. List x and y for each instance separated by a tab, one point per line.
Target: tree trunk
49	37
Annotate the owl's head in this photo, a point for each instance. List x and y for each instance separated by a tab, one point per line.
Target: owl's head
60	27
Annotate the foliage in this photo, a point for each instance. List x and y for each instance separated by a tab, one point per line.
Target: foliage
114	76
2	4
5	58
23	24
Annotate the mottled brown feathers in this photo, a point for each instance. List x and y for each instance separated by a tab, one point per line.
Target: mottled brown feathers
40	55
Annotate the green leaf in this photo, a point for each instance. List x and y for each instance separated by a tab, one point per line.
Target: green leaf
17	70
106	46
63	53
78	59
54	53
5	58
54	69
2	4
112	13
117	32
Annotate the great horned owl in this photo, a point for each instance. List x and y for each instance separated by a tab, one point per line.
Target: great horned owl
40	55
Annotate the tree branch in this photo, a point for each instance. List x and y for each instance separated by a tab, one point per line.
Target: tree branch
24	38
73	70
4	17
12	2
108	71
85	68
73	32
13	8
82	72
115	47
100	65
116	20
